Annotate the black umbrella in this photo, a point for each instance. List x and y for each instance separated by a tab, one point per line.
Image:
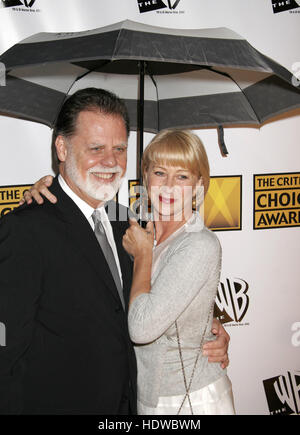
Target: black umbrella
187	78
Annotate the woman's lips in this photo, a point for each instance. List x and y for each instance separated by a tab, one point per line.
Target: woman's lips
166	200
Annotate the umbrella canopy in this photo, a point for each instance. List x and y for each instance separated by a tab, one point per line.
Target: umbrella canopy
189	78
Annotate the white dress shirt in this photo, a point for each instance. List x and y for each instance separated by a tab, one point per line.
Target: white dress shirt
87	210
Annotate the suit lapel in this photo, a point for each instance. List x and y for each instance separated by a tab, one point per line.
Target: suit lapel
80	234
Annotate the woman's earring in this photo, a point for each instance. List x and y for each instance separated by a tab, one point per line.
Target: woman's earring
198	198
194	203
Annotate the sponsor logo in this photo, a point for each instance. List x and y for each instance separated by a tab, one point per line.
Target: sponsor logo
150	5
20	5
296	334
28	3
222	209
223	203
283	393
10	3
284	5
169	6
10	197
276	200
232	301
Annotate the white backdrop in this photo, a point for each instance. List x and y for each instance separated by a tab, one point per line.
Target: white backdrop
265	343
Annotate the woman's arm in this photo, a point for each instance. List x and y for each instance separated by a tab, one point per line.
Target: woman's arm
133	241
193	266
40	187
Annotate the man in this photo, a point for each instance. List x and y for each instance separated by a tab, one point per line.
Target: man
67	346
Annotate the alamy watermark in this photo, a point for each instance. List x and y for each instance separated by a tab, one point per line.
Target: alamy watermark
163	203
2	74
2	334
296	334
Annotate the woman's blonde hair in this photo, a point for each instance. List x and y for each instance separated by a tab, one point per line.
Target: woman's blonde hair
182	148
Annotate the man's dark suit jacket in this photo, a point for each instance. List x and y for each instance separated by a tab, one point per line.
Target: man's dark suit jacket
67	345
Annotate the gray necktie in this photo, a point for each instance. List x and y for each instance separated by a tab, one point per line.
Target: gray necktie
108	253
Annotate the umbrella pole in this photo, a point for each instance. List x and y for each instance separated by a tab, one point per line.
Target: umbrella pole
140	144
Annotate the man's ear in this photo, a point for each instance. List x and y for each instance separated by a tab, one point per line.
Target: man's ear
61	148
145	179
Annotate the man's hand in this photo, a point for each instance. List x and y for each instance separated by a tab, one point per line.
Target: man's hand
217	350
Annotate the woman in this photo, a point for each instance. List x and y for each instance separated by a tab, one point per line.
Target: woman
174	287
173	293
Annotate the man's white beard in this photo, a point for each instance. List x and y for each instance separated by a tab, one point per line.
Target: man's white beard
102	192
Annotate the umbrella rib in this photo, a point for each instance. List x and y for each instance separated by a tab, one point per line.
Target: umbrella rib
67	93
220	127
157	100
231	78
116	43
88	72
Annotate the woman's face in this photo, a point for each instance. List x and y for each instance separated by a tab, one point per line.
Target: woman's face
171	190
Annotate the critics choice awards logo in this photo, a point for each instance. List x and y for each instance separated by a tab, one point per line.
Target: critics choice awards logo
276	200
10	197
283	393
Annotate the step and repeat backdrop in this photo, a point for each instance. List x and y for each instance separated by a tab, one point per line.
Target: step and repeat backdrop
253	202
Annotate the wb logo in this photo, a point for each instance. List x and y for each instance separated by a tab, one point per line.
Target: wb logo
153	5
283	393
27	3
232	301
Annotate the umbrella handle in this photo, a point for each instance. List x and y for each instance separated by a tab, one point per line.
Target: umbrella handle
221	140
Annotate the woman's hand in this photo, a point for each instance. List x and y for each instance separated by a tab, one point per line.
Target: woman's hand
217	350
40	187
138	241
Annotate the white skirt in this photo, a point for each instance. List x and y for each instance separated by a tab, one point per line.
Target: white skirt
214	399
